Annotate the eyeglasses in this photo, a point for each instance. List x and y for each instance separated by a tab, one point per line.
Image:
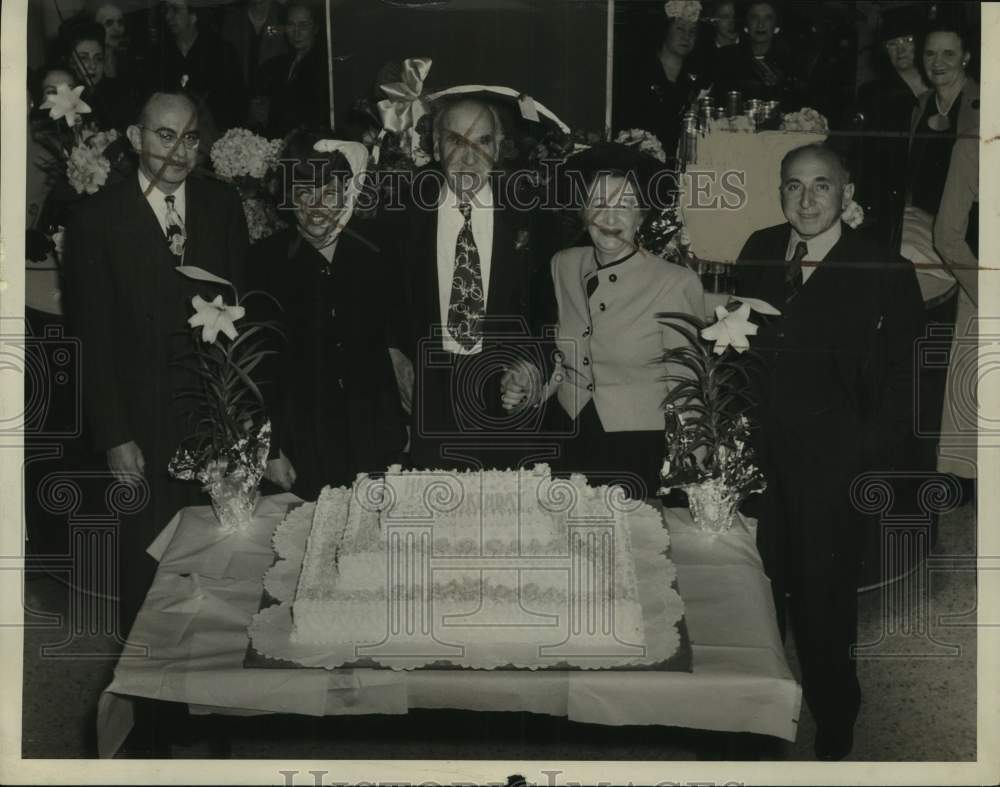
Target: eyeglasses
899	43
169	137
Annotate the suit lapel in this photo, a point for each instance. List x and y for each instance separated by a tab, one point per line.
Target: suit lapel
503	244
193	213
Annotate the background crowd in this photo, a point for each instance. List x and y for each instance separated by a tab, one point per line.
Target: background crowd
360	382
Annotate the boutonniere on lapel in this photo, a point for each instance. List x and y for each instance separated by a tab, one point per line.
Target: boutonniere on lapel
522	241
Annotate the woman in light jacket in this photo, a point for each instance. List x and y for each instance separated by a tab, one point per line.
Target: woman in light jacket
609	383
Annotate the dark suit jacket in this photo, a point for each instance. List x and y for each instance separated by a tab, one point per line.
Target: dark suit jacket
839	361
237	30
129	307
303	100
214	81
509	329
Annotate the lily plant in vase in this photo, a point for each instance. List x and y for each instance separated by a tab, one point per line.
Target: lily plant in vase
228	447
707	451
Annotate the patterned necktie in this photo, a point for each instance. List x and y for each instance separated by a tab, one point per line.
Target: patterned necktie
175	227
467	305
793	271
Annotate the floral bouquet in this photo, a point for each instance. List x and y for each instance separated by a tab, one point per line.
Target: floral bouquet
806	119
82	160
247	160
688	10
643	140
707	431
228	450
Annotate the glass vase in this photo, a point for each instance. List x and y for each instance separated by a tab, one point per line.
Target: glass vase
713	506
234	498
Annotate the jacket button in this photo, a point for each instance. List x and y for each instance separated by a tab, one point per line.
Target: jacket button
603	307
586	332
613	277
586	361
590	387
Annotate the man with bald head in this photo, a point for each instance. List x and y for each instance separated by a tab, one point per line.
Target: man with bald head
468	263
835	399
129	307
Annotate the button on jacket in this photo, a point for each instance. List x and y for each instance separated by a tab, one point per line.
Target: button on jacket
610	341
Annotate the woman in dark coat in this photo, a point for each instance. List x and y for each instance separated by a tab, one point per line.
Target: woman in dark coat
330	392
296	84
654	89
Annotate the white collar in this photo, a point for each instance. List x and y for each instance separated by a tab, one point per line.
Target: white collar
155	192
481	199
820	245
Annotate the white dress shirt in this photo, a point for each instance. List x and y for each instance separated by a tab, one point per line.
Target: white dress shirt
449	224
155	198
818	248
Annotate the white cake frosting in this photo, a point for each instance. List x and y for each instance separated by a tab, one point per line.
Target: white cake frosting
472	560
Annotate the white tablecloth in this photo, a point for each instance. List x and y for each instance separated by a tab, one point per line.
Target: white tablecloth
189	642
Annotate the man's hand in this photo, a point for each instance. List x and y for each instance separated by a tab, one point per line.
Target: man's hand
521	386
127	463
280	471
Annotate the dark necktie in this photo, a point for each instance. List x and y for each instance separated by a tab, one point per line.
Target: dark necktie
793	271
467	305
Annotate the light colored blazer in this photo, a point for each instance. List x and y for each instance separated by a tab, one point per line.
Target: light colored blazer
961	192
611	342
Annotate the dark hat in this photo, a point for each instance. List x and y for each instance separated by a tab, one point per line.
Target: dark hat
614	157
899	22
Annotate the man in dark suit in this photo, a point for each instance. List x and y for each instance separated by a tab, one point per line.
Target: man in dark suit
129	308
835	396
201	63
469	265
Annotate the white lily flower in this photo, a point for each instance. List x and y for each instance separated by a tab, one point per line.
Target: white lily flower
214	317
66	103
730	329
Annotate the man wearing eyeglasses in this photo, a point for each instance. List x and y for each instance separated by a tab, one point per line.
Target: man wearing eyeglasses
129	307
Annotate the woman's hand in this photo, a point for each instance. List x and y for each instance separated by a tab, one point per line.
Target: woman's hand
521	386
280	471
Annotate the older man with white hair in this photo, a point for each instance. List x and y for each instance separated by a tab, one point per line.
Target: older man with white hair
469	264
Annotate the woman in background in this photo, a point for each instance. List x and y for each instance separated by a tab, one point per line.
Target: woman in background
885	108
945	114
656	88
331	391
112	104
296	83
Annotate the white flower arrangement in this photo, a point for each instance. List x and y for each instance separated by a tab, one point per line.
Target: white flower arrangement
87	169
227	451
853	215
644	141
240	153
806	119
688	10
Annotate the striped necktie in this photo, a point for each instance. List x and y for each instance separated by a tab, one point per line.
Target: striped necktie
793	271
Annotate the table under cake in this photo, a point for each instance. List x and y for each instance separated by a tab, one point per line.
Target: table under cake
189	644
